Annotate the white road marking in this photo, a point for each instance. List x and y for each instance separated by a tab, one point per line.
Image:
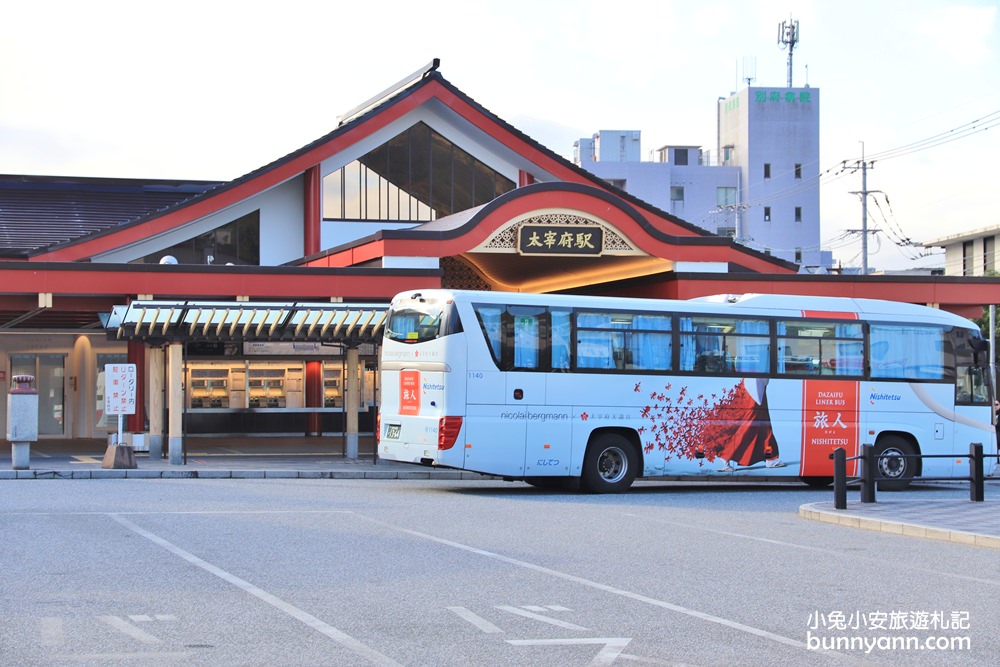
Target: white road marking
122	625
611	649
538	617
638	597
308	619
52	631
140	618
475	619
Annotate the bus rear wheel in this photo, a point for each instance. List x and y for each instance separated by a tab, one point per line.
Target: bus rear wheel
610	464
891	464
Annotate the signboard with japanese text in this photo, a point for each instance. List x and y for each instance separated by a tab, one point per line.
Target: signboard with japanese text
830	420
580	240
409	392
119	389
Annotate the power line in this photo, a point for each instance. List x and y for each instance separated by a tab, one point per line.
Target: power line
963	131
863	164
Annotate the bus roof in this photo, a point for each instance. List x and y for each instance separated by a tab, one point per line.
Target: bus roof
775	305
864	308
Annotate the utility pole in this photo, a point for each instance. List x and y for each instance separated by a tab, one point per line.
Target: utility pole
863	193
788	36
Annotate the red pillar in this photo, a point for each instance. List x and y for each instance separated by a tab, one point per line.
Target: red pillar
137	355
313	210
314	395
524	178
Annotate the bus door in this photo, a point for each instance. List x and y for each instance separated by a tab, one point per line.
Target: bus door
974	398
974	410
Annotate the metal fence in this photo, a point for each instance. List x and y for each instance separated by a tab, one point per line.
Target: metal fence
869	478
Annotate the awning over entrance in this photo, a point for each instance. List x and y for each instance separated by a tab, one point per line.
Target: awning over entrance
156	322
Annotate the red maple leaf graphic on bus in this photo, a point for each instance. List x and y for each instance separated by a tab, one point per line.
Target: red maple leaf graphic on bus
691	428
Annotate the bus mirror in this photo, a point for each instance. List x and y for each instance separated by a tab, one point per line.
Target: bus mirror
979	344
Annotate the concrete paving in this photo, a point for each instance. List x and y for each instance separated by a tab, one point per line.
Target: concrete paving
953	520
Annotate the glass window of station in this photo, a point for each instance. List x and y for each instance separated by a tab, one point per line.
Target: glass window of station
262	387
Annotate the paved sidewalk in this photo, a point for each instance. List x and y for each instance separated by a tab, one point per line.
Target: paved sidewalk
234	458
961	521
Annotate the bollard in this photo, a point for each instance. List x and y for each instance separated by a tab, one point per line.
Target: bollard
839	479
976	491
868	474
22	420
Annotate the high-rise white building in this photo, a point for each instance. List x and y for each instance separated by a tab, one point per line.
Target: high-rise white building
761	185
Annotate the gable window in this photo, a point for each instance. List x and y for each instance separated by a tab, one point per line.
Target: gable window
798	171
416	175
798	214
767	214
237	242
767	170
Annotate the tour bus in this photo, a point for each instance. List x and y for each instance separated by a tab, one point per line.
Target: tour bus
598	391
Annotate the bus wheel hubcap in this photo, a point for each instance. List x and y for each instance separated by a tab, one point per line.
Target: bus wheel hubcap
891	464
612	464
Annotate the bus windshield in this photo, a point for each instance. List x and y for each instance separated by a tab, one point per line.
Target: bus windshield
416	319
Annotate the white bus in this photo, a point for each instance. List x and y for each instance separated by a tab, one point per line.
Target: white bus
556	388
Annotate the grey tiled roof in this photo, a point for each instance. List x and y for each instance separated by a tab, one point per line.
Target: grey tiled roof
37	212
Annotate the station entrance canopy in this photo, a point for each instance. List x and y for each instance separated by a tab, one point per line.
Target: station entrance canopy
159	322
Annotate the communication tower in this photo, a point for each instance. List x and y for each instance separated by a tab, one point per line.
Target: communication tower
788	37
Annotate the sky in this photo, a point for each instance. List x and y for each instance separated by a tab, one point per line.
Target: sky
213	89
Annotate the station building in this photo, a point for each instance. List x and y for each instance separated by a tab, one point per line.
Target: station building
255	306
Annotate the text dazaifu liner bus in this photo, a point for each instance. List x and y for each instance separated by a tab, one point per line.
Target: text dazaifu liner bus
557	388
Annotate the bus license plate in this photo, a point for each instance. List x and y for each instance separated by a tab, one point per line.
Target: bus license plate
392	431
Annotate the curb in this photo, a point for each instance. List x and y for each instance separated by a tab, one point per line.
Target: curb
824	513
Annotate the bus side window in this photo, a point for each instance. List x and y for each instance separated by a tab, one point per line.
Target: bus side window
490	318
971	387
559	339
594	349
526	338
907	352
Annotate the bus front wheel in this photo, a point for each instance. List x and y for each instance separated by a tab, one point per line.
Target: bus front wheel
610	464
891	463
